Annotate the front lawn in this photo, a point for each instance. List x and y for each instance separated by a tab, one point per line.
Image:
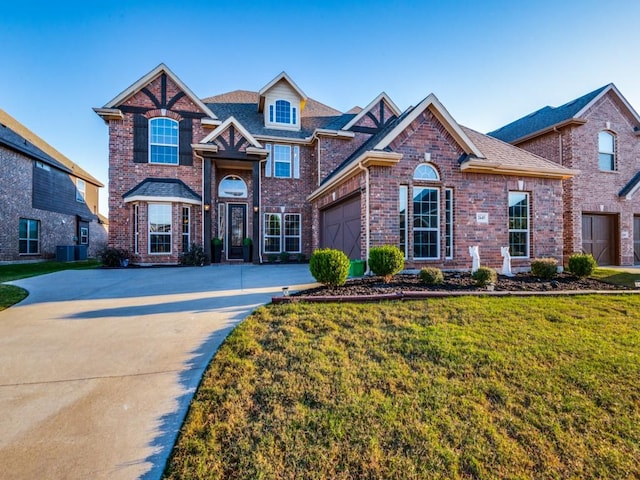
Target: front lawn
10	295
444	388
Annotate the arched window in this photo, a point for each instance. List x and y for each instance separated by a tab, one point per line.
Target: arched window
163	141
606	151
424	171
232	186
281	111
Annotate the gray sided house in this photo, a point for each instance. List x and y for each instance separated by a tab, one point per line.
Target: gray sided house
598	136
46	200
288	174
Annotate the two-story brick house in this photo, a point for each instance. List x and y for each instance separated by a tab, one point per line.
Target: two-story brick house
293	174
598	135
46	200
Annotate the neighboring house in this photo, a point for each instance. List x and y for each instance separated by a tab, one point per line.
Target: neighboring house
598	135
46	200
292	175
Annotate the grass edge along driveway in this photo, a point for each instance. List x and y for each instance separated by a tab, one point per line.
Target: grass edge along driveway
444	388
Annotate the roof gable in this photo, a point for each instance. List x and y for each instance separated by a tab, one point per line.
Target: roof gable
433	104
380	111
548	117
231	125
282	77
24	140
146	80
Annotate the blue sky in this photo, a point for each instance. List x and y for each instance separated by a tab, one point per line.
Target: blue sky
488	62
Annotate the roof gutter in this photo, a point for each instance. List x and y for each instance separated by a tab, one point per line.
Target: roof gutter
571	121
484	166
367	159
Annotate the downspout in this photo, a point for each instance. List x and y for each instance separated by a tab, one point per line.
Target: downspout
555	129
366	216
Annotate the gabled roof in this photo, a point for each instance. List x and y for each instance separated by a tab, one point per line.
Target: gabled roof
630	188
383	96
238	126
547	118
282	76
144	81
18	137
162	189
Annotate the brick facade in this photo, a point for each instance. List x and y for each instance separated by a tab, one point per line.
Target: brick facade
593	190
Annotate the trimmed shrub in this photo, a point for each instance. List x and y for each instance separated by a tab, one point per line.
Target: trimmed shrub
194	257
329	266
483	276
582	264
431	276
285	257
386	261
545	268
113	256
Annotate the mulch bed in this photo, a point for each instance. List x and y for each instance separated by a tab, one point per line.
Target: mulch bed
457	282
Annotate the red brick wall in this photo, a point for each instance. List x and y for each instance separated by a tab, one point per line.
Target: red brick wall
592	190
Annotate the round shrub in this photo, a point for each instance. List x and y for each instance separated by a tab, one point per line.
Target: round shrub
431	276
582	264
545	268
113	256
386	261
329	266
483	276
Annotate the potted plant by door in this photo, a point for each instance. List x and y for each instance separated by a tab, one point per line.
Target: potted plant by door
216	246
246	249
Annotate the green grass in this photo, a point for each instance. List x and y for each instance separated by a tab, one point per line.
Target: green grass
616	277
16	271
445	388
10	295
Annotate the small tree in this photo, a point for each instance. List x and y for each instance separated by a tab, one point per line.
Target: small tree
386	261
329	266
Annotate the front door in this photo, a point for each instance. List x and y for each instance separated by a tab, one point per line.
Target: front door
636	240
237	230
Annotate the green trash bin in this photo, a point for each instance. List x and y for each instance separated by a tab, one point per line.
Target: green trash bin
356	268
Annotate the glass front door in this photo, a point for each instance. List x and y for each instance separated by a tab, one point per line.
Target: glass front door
237	215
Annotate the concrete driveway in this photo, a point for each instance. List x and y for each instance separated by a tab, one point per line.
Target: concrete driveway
97	367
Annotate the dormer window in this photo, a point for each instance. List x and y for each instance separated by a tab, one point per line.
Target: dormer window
282	112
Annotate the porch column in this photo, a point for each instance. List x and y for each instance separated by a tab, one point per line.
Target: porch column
256	212
206	200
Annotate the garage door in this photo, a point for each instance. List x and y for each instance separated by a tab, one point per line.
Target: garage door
636	240
341	227
598	237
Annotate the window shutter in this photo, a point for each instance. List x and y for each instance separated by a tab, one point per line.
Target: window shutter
184	142
140	139
296	162
267	168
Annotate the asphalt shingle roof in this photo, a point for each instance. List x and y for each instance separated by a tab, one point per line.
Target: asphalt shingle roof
544	118
630	186
243	106
163	187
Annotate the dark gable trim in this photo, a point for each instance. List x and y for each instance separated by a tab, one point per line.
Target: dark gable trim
232	147
143	110
380	122
630	186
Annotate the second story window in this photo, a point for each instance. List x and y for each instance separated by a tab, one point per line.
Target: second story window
163	141
606	151
283	161
81	190
282	112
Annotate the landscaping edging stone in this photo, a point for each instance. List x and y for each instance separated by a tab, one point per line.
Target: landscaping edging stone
439	294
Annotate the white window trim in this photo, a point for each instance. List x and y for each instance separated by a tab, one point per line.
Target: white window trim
430	167
294	161
265	236
84	239
223	194
422	229
520	230
612	153
81	190
177	145
170	234
285	236
136	228
403	194
449	219
188	233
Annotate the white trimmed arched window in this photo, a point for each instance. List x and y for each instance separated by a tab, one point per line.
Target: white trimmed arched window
424	171
163	141
232	186
606	151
